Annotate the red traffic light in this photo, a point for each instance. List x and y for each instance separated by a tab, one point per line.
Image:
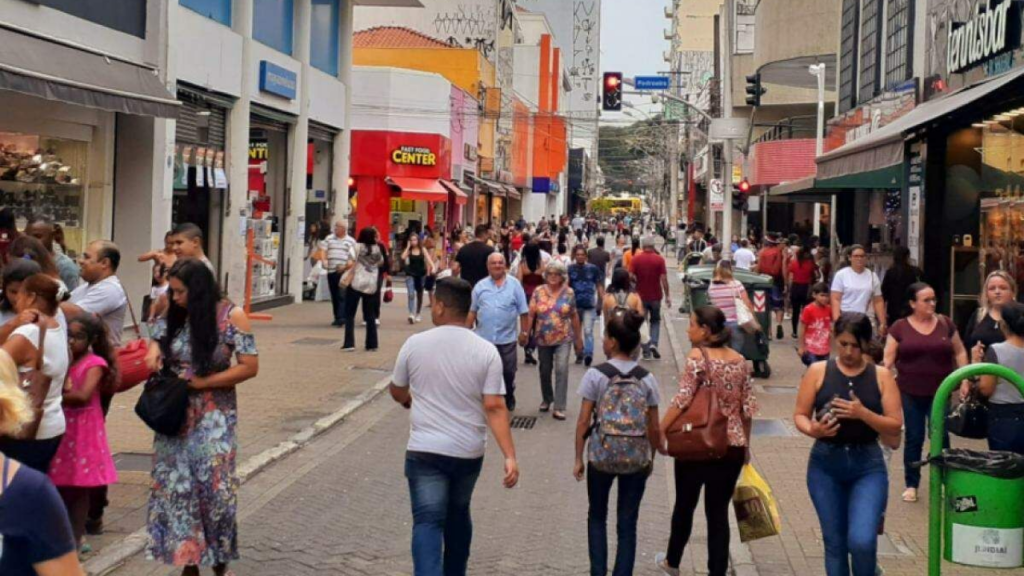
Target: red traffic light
351	182
612	81
745	186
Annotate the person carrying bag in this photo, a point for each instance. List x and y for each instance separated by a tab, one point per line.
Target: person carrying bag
707	429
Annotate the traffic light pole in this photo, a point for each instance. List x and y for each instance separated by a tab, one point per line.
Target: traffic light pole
673	176
726	239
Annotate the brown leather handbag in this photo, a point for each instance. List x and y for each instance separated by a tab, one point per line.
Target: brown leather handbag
702	431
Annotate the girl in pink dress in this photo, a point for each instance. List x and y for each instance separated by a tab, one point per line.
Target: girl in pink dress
83	462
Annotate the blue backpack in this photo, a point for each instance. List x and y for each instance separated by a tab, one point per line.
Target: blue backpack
618	443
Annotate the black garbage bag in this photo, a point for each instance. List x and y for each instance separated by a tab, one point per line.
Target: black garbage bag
995	463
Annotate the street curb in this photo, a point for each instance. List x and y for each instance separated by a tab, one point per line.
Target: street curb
115	555
741	560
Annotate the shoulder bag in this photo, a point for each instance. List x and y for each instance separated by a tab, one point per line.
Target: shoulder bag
701	432
364	274
39	383
163	405
744	317
131	357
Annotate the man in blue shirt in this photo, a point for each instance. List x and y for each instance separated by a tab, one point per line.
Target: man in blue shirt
499	312
587	282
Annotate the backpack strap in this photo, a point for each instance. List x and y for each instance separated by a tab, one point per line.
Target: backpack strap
608	370
639	372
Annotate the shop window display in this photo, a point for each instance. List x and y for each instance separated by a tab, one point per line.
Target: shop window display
41	176
1001	240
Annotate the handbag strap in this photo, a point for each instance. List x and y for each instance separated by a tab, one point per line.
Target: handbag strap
131	310
42	341
706	379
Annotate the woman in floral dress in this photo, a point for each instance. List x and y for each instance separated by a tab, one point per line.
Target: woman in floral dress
193	503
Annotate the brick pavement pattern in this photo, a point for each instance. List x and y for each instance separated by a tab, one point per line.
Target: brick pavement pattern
340	506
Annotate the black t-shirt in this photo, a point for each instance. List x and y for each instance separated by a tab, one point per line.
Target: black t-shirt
472	259
599	257
34	525
987	331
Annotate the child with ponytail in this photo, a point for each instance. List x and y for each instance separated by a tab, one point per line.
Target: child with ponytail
83	462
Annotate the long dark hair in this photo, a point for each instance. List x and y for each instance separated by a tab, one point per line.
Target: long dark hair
1013	318
368	237
17	270
46	288
32	249
859	326
620	281
804	253
200	314
531	253
98	336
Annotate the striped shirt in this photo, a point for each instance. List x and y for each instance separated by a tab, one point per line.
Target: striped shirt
723	296
338	250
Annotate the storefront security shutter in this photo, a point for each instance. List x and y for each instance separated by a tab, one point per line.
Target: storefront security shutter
200	121
269	119
322	132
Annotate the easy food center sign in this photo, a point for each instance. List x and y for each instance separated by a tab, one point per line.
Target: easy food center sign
992	31
414	156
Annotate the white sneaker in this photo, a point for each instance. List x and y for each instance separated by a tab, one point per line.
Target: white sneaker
662	563
419	319
378	321
412	319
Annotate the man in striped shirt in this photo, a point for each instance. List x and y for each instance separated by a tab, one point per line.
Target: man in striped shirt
338	248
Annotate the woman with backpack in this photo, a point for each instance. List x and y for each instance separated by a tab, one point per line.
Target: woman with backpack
727	374
619	417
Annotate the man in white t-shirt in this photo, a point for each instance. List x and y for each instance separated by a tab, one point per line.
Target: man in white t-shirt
744	257
101	292
452	381
857	289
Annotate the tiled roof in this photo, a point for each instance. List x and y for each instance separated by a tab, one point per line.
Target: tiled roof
394	37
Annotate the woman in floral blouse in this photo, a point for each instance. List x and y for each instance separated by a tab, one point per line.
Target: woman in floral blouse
193	503
711	363
556	325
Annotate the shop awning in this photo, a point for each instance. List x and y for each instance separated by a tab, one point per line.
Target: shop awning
512	193
490	186
460	196
425	189
883	148
39	67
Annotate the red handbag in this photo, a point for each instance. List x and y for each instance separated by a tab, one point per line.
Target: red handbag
131	357
389	294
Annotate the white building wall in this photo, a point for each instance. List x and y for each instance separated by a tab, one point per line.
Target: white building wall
206	53
399	100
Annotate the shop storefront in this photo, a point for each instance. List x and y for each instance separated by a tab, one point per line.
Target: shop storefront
267	201
200	177
319	173
59	114
402	182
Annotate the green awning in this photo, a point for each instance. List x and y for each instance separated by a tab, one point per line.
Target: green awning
890	177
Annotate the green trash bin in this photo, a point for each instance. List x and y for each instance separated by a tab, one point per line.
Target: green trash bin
758	286
983	519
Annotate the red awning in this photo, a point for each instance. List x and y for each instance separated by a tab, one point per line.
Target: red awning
460	196
426	189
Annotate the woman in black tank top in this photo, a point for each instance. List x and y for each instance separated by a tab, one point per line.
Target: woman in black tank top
845	405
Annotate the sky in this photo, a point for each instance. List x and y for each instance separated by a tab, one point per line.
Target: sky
632	42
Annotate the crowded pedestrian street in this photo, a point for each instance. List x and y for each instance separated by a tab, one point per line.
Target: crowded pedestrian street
339	504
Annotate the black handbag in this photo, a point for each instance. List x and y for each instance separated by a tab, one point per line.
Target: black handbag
163	405
969	418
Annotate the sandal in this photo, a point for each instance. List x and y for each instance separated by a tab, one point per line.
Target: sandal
910	495
544	407
558	415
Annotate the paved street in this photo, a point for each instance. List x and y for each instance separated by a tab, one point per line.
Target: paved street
340	505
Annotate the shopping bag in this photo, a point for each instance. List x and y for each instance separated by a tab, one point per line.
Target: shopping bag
757	513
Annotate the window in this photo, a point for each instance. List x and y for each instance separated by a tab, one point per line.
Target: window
216	10
324	36
848	56
898	44
870	53
272	24
128	16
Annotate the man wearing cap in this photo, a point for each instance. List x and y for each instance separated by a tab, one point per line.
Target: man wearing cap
651	275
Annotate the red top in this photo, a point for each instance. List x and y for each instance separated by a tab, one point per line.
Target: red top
923	360
516	242
648	267
803	272
817	321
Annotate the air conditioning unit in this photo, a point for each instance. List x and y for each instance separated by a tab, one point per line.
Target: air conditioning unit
669	12
667	56
669	35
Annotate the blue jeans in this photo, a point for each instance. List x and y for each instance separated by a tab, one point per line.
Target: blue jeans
809	358
917	411
631	492
440	488
587	318
414	287
653	310
1006	427
736	336
849	485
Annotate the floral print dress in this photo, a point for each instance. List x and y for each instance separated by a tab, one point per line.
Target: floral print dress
554	315
194	498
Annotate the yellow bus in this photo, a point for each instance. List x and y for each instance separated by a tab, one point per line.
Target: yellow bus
621	206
